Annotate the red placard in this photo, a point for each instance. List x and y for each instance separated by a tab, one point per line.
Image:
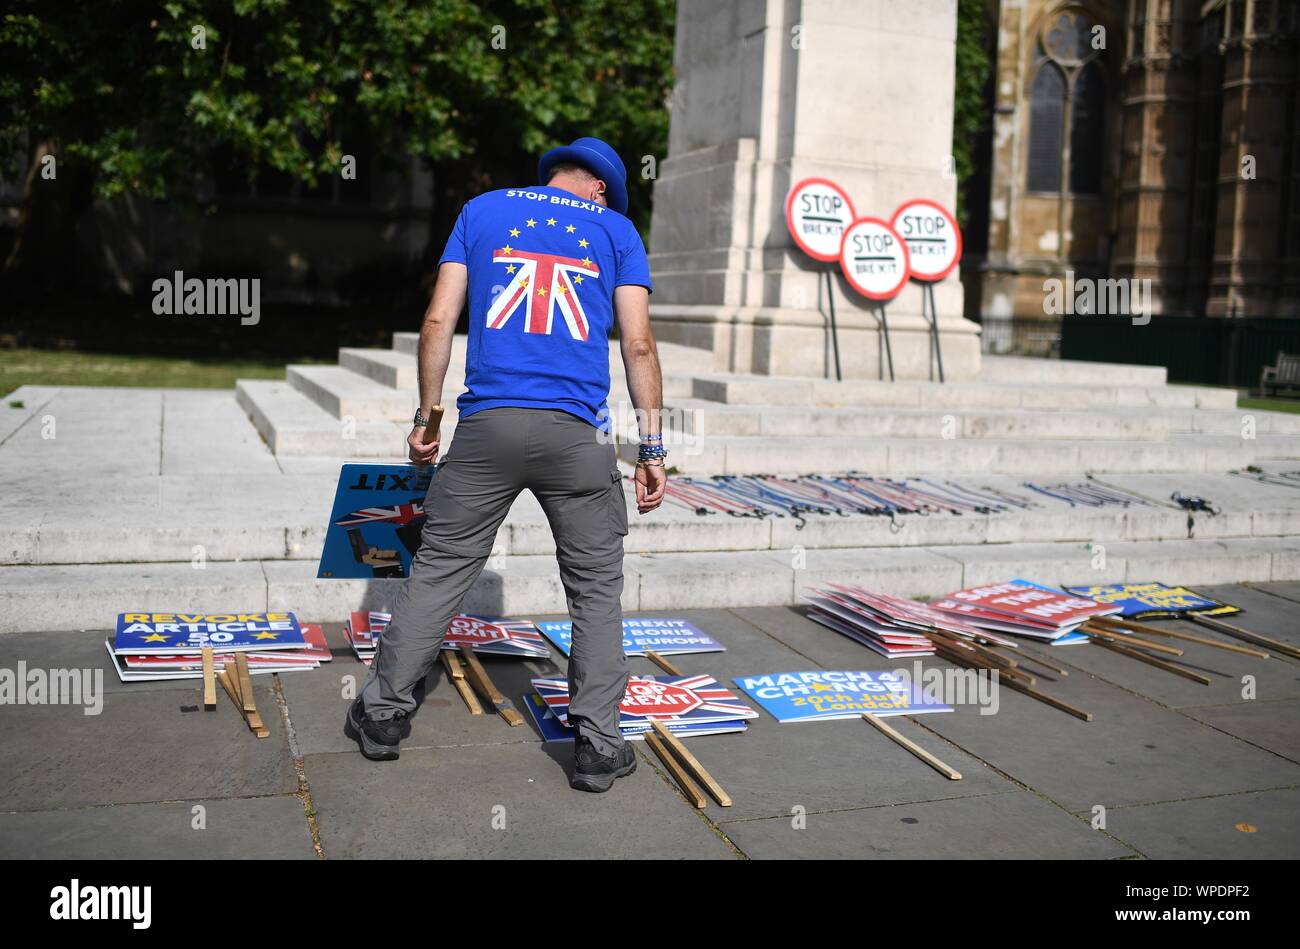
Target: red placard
874	259
817	212
933	239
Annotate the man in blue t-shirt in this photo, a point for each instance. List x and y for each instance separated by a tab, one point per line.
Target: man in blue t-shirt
547	272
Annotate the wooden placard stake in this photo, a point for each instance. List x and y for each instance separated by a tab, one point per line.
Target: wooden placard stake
1046	699
457	676
434	428
1152	660
1110	634
209	680
479	678
692	765
905	742
1178	634
663	663
1237	632
679	774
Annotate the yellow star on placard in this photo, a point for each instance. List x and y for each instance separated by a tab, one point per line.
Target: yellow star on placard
154	638
510	268
569	229
820	687
577	278
514	232
531	223
267	635
562	289
541	291
583	242
550	222
507	249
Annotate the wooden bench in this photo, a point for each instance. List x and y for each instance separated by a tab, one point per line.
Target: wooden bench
1285	375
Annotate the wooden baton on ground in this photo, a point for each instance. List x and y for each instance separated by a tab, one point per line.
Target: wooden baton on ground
692	765
1236	631
663	663
676	770
478	676
912	746
1152	660
209	680
457	676
1177	634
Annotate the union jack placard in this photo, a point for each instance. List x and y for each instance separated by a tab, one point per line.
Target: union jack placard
501	637
698	698
375	523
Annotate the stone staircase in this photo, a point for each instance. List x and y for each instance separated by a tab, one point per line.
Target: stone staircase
212	512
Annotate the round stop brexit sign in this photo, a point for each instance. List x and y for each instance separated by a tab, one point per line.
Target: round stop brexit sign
817	212
932	236
874	258
469	629
648	697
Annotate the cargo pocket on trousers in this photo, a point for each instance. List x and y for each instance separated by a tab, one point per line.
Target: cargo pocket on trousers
617	503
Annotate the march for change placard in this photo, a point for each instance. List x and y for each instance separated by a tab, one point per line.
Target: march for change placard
823	695
1149	600
374	526
161	633
668	637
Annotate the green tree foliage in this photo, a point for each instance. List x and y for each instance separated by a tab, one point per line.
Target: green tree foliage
970	109
137	97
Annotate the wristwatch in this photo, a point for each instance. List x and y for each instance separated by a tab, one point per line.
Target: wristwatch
420	421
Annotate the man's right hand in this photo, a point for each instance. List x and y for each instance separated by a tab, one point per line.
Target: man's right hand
420	453
651	482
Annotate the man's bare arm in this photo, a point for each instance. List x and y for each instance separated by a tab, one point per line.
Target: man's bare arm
435	351
644	383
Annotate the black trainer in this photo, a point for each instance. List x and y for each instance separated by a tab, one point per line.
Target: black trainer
378	740
596	772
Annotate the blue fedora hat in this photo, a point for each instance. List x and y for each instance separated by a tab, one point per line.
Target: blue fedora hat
598	158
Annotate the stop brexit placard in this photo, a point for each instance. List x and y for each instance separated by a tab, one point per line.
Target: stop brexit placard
696	699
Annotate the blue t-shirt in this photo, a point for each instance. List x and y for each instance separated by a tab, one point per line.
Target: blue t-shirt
543	265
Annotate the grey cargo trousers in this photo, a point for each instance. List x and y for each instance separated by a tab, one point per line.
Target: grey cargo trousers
495	454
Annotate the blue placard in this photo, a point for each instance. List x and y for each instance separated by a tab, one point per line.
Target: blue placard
822	695
667	637
374	526
1137	600
148	633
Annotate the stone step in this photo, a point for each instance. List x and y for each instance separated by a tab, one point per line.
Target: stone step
905	457
291	424
771	390
346	394
701	417
1027	369
247	516
90	596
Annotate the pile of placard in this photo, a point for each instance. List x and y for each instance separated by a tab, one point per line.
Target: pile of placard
890	625
493	636
148	646
684	705
1027	609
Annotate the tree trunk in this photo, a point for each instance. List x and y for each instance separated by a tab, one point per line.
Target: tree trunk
42	258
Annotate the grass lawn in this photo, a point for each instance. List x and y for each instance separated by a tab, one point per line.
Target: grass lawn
48	367
1269	405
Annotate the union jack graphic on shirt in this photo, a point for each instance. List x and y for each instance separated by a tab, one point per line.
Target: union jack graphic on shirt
396	514
540	285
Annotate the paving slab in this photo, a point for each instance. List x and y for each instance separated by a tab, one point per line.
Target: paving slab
821	766
143	748
1273	679
1263	612
1259	826
1012	825
442	804
317	705
1274	726
260	828
1134	751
